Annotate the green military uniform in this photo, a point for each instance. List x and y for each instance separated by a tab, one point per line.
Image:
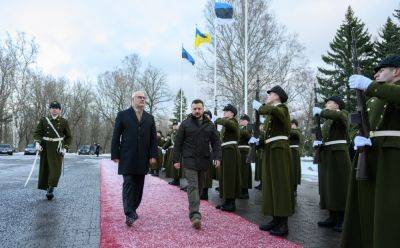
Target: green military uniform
50	159
373	208
229	179
278	199
160	144
170	170
295	138
245	168
335	163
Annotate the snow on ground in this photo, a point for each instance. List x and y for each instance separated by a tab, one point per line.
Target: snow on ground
309	171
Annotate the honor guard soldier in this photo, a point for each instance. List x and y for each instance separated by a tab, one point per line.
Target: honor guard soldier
229	180
295	140
373	205
334	169
277	193
245	168
52	137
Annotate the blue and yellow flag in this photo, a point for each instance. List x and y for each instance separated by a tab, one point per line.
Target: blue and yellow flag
201	38
186	55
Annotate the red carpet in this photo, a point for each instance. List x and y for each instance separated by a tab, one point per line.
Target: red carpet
164	222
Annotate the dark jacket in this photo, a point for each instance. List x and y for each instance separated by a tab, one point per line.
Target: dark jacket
193	141
134	142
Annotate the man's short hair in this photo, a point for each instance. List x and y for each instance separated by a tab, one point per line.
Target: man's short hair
137	92
197	101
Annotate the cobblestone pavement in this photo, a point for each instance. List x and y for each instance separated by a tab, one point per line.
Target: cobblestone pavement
303	227
71	219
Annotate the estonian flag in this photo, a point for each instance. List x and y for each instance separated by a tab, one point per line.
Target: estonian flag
201	38
224	12
186	55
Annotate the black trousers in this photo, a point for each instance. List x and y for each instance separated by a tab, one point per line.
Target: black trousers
132	191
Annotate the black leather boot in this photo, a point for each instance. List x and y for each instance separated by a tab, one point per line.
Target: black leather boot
339	223
330	222
204	194
245	194
269	225
229	205
281	229
175	182
50	194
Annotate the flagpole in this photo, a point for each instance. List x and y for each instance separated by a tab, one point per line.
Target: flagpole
181	106
215	67
245	56
180	83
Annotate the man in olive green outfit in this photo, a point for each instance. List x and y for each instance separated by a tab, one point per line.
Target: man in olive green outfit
372	212
295	139
52	137
170	170
334	168
230	178
245	168
160	142
278	200
197	145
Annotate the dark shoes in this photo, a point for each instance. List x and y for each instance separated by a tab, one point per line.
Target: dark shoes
196	223
259	187
204	194
228	206
245	194
131	218
184	188
270	225
175	182
330	222
50	193
155	173
281	228
217	189
339	223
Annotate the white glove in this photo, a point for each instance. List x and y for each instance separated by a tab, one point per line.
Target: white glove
38	147
359	82
360	141
214	118
63	151
316	111
254	140
317	143
219	128
262	119
256	104
163	151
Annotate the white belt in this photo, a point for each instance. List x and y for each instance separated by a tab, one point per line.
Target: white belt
294	146
276	138
229	143
373	134
170	147
334	142
244	146
53	139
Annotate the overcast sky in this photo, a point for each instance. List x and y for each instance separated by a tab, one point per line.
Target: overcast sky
80	39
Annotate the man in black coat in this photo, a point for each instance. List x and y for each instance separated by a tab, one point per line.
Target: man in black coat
134	147
192	143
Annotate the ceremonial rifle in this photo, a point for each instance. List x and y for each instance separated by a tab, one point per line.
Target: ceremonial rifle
251	156
360	118
317	131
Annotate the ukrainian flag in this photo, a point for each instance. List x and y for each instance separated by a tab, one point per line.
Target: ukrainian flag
201	38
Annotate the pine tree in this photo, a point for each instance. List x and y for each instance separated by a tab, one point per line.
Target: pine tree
177	108
389	40
351	38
